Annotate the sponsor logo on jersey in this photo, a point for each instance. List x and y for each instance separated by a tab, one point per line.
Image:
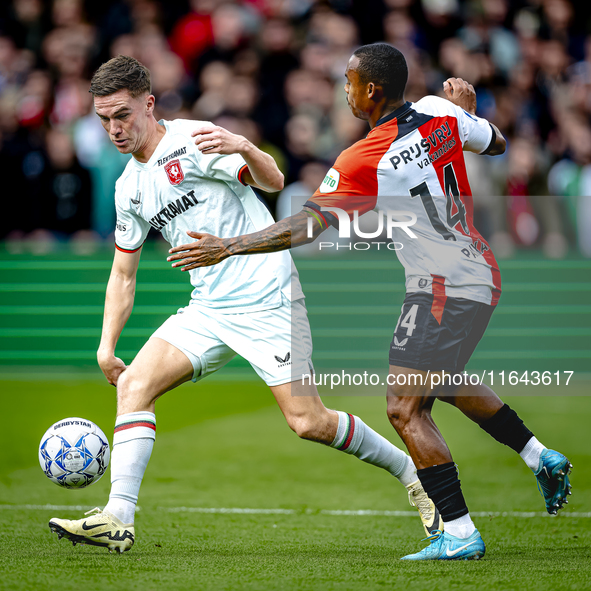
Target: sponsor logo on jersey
121	227
427	150
438	153
174	172
138	198
175	154
330	182
172	209
423	283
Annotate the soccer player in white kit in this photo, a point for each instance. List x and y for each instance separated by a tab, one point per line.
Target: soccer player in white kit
252	306
412	160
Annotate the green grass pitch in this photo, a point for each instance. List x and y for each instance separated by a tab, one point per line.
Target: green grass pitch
224	444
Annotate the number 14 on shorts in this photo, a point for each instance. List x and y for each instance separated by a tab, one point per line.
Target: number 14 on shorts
409	320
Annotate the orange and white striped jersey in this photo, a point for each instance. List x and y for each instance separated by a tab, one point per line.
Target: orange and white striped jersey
413	161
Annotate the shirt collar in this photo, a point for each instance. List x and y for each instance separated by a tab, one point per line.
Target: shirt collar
395	114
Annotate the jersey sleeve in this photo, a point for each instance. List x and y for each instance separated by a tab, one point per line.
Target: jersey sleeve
224	167
130	230
477	134
350	185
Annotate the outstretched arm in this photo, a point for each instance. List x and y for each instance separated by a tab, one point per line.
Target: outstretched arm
462	94
263	172
210	250
118	306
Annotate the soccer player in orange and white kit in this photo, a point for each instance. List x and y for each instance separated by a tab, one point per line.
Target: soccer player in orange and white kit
412	160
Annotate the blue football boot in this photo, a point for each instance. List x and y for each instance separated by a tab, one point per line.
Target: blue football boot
553	481
447	547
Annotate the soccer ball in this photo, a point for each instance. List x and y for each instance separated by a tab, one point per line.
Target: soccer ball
74	453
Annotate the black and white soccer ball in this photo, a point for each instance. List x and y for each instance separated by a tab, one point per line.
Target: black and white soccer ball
74	453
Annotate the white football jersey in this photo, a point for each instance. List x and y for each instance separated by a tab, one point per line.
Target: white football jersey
181	189
412	161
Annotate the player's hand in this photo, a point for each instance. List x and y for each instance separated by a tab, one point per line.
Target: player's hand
208	250
212	139
111	366
460	93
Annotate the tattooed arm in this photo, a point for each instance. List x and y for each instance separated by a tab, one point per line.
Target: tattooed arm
210	250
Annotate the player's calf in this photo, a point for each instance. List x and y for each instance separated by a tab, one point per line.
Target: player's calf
304	412
410	415
402	411
310	419
409	402
319	428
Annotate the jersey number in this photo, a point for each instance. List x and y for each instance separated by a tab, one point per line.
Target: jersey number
452	193
409	321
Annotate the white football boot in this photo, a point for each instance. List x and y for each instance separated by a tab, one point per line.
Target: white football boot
430	517
101	529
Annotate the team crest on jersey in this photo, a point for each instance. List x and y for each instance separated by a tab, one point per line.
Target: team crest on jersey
330	182
174	172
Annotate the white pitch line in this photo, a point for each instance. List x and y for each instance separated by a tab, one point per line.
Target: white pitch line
228	510
519	514
45	507
358	513
50	507
252	511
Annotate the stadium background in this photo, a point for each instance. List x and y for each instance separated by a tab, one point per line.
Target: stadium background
273	71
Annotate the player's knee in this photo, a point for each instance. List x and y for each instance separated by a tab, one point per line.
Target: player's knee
124	387
400	412
130	390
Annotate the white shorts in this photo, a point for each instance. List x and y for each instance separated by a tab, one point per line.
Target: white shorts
277	342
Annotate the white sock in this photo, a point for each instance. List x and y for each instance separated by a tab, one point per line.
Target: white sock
462	527
133	441
409	474
531	453
356	438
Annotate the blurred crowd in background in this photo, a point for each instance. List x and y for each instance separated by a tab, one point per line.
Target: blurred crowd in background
273	71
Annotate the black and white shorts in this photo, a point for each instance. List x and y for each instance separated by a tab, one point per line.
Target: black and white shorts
438	333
